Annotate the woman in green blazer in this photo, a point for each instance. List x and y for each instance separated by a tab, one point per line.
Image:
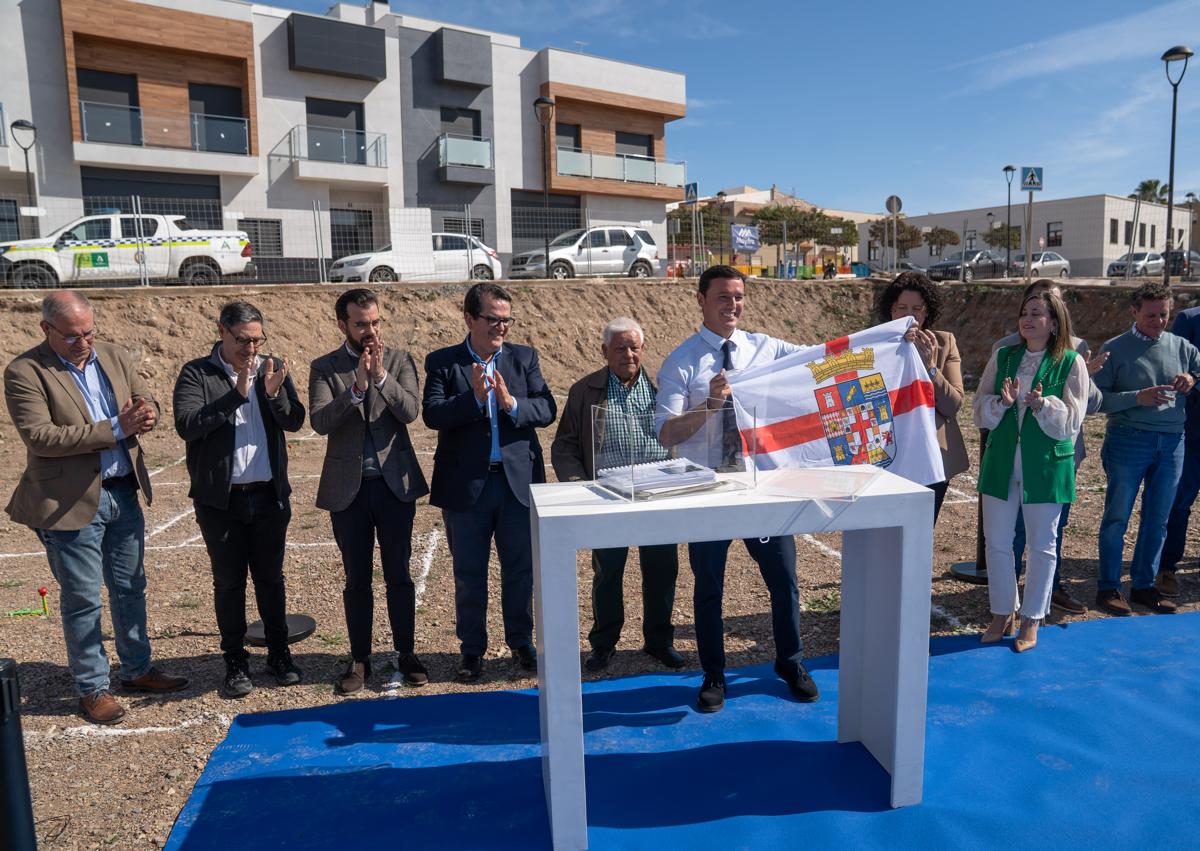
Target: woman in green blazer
1032	398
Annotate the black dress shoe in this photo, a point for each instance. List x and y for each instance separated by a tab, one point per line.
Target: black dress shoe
668	656
526	657
598	660
712	694
284	669
799	683
412	672
470	668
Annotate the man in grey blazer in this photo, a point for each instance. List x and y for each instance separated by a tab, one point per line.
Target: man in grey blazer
363	396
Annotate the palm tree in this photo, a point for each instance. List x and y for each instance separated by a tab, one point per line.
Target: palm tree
1151	190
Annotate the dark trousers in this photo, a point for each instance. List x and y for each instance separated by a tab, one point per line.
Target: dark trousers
939	496
248	536
1019	545
776	559
376	511
469	533
1181	510
660	567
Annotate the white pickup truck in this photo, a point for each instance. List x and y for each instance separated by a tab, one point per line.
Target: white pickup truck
115	246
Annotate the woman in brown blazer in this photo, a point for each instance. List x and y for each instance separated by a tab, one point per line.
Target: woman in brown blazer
912	294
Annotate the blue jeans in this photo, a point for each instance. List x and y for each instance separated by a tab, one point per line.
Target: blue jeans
112	546
1181	511
1132	456
1019	544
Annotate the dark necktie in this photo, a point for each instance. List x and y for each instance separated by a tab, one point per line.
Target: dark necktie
731	440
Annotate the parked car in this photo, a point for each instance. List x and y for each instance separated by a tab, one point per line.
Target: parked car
114	246
607	250
879	267
1046	264
453	254
978	264
1141	264
1183	263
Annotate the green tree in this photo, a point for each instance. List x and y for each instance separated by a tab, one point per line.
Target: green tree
1151	190
939	238
908	236
996	238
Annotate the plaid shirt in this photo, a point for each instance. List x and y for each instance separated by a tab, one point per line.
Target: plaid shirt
628	431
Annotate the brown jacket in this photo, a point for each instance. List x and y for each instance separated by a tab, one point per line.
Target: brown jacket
387	412
60	488
571	452
947	400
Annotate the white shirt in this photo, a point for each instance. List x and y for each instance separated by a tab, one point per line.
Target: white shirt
250	460
685	375
1059	419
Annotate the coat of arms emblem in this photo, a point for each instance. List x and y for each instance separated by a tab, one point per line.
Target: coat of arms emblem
855	409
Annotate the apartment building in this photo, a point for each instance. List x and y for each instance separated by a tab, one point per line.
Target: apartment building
1090	231
319	135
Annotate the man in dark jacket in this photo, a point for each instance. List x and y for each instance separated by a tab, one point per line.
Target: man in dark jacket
627	395
485	398
232	409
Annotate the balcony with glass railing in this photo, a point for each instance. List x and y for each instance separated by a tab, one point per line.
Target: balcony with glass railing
573	162
336	145
465	159
113	124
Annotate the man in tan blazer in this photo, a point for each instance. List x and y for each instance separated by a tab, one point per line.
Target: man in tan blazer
80	407
363	396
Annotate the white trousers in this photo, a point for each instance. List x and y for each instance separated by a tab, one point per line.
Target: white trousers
1041	534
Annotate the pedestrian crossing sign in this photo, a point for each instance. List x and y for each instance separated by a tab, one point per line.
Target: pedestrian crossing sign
1031	178
691	193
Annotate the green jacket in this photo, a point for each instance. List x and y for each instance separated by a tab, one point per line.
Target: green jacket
1048	466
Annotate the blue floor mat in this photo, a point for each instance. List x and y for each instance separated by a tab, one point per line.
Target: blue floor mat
1090	741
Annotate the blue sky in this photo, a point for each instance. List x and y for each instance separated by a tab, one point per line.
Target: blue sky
847	103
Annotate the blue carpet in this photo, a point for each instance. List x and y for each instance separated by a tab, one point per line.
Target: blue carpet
1090	741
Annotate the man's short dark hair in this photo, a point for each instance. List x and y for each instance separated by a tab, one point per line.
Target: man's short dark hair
721	272
1151	291
360	297
473	302
239	313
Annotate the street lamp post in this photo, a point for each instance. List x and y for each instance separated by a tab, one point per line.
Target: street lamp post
721	244
1178	53
24	133
543	108
1191	200
1009	171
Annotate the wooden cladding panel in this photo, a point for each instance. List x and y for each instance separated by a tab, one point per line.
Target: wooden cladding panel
666	109
599	186
166	49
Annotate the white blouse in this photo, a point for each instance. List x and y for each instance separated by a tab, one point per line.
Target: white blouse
1059	419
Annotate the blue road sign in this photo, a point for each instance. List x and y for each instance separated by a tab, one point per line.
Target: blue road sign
691	193
745	238
1031	178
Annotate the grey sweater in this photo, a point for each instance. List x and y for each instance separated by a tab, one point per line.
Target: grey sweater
1135	364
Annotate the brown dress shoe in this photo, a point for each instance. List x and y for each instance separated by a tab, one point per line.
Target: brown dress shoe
101	708
1062	599
354	679
156	681
1112	602
1155	602
1167	584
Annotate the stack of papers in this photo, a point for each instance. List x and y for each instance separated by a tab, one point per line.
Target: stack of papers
660	477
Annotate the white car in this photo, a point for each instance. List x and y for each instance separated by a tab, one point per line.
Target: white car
1046	264
455	258
1142	264
608	250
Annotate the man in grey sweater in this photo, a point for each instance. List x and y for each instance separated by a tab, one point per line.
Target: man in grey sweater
1147	367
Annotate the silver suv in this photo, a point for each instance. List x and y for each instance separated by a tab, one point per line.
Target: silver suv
607	250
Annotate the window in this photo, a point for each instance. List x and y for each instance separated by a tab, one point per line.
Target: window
349	232
644	236
456	224
446	242
596	239
1054	233
108	107
1153	235
1112	231
634	144
265	235
1142	235
1128	232
335	131
971	238
9	223
568	136
461	122
129	227
619	237
933	251
90	230
873	250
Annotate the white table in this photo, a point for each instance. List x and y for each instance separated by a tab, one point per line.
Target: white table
887	554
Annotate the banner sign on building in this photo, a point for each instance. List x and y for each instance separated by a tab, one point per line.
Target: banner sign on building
744	238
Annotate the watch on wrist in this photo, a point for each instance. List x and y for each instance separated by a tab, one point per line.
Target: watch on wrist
933	371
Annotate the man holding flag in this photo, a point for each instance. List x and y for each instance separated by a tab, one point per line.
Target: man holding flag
693	387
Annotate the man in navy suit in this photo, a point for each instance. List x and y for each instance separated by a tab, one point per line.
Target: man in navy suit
485	397
1187	325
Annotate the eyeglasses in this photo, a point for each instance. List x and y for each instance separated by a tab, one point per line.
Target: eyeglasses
246	342
374	324
498	321
75	338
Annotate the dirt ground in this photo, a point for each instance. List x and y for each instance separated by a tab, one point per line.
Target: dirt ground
122	787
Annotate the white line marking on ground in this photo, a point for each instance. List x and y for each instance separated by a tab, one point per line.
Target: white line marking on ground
91	731
165	526
937	610
958	493
174	463
426	563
